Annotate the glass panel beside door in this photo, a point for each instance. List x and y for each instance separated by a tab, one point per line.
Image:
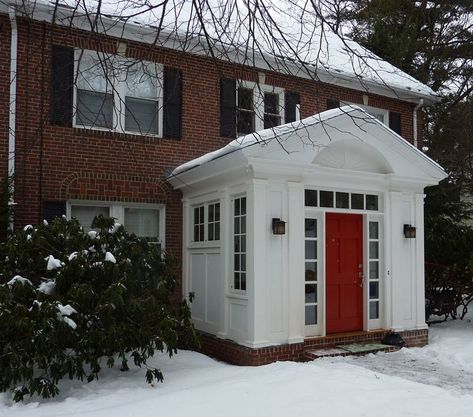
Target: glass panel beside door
311	276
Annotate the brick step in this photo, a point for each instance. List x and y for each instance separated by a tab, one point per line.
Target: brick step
351	349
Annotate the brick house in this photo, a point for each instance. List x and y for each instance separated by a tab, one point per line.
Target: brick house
82	140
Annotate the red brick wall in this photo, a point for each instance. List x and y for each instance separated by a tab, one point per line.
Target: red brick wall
56	163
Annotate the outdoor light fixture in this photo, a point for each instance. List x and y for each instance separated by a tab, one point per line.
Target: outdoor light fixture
409	231
279	227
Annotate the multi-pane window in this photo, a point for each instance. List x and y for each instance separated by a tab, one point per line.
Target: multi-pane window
206	222
245	111
239	244
374	269
117	93
213	226
272	111
94	91
258	107
143	223
199	224
341	200
311	279
141	99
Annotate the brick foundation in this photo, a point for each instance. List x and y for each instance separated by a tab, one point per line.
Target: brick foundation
231	352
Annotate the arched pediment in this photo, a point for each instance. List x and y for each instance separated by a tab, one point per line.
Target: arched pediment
353	155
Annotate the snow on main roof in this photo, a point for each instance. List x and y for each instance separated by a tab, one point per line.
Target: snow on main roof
285	31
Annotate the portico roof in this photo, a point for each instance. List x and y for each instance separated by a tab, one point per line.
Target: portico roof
345	139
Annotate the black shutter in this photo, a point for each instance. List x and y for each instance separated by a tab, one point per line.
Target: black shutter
228	108
291	100
52	209
62	83
332	103
172	106
395	122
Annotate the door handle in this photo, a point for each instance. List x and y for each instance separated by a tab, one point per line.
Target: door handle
361	275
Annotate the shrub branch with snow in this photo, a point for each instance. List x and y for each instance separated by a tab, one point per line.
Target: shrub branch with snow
70	301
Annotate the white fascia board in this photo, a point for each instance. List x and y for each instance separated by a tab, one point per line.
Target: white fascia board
194	45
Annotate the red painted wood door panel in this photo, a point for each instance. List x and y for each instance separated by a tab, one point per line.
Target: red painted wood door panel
344	263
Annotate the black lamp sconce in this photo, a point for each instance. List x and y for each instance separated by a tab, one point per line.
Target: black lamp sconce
279	227
409	231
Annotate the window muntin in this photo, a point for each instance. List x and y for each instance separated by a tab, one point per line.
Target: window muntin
239	244
341	200
199	224
311	279
374	268
118	94
94	90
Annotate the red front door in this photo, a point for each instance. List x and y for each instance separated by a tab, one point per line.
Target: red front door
344	251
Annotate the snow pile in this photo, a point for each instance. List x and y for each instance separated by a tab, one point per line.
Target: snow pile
47	287
92	234
198	386
18	279
65	311
53	263
110	258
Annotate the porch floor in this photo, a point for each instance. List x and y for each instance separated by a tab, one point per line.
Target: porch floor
349	349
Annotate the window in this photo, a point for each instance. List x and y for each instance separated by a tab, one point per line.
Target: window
380	114
341	200
141	100
94	91
311	278
258	107
213	228
207	222
143	220
118	94
374	269
199	224
239	244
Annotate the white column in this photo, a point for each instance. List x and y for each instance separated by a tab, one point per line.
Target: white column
257	234
419	259
295	231
396	261
226	239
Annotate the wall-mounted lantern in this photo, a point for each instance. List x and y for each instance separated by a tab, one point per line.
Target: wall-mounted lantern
409	231
279	227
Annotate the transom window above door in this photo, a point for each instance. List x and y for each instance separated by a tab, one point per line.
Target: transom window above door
341	200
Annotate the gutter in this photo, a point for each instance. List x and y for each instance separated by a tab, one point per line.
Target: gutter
414	118
12	106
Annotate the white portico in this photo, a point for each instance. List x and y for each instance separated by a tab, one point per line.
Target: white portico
351	192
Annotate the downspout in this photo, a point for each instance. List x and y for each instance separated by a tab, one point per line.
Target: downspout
414	118
12	106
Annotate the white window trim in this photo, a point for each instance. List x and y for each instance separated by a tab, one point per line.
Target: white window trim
371	109
231	284
258	100
117	210
119	94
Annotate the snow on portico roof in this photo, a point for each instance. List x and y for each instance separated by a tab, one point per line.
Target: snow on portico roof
295	32
264	137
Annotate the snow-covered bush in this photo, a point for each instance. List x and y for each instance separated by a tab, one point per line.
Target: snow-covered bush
72	302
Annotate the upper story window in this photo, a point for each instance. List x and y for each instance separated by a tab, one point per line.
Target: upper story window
206	223
118	94
247	107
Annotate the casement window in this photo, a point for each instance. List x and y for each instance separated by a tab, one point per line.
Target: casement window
390	118
94	90
247	107
143	220
206	224
239	244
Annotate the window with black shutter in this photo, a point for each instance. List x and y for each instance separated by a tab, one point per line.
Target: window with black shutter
332	103
53	209
227	108
291	100
172	102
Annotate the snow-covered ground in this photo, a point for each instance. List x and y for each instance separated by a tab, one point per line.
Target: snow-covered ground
434	381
